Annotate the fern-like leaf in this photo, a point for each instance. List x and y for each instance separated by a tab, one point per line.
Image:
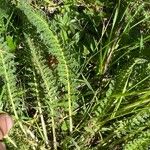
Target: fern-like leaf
66	62
142	142
8	72
48	83
134	124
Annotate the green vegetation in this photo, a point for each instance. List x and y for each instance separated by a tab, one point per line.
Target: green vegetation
75	74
